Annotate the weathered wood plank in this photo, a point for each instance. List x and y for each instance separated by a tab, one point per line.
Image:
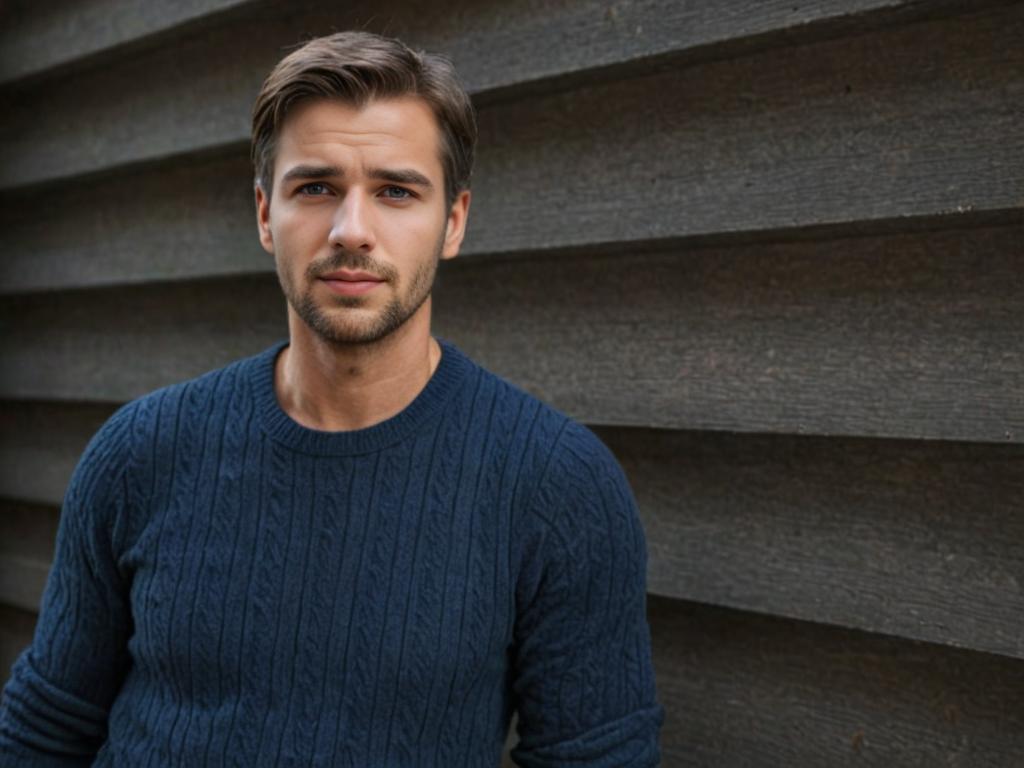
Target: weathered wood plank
126	343
40	444
208	81
912	336
49	37
27	535
28	531
853	135
16	628
22	581
923	540
850	131
742	690
189	220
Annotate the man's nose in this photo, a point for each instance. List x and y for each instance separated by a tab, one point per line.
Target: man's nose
352	229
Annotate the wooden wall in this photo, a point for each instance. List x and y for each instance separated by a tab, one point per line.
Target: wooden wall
772	251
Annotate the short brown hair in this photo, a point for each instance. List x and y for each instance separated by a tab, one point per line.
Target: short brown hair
357	67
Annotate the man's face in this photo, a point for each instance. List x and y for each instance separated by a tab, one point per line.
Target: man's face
357	220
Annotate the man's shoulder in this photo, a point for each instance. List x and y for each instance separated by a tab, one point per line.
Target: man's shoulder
181	400
538	424
574	507
563	448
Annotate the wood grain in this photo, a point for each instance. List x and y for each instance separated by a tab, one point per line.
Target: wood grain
16	628
40	444
744	691
45	40
209	79
53	38
858	135
910	336
27	536
914	336
917	539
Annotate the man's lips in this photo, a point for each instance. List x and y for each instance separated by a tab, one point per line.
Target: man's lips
351	282
352	276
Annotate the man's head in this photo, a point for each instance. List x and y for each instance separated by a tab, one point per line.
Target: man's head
362	151
357	67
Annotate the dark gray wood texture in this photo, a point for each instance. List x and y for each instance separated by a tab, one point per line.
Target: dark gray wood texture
55	36
16	628
27	534
911	336
188	219
856	134
112	345
914	336
849	131
40	444
748	691
918	539
207	81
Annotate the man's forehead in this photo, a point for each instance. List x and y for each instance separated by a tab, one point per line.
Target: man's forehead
405	122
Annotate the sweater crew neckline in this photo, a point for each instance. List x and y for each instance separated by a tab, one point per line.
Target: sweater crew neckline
282	428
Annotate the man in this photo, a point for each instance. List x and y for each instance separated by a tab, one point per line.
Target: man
356	548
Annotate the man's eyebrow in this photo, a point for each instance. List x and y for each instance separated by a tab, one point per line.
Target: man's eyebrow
311	172
394	175
401	176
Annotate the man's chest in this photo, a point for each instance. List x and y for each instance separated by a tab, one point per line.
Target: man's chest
357	579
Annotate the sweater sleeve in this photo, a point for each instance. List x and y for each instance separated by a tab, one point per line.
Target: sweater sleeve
54	707
583	677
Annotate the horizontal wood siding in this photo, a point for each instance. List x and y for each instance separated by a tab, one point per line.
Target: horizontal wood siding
40	39
845	133
27	532
914	336
209	78
16	627
920	539
771	252
40	443
744	690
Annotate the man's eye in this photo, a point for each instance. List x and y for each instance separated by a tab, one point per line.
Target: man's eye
313	188
397	193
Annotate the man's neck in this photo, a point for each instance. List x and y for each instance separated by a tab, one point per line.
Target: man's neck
338	388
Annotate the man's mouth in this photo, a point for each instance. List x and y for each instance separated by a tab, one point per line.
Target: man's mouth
349	282
352	276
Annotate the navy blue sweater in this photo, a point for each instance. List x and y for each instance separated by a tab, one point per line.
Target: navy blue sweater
232	588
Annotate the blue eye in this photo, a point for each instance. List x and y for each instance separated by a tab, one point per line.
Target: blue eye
397	193
313	188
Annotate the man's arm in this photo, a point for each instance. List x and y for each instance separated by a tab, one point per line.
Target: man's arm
583	674
54	707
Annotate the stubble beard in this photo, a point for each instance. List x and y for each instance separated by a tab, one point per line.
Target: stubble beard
344	328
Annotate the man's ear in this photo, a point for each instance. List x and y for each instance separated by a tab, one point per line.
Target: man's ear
263	219
456	227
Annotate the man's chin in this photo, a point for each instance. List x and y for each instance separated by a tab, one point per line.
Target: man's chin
346	334
352	320
349	333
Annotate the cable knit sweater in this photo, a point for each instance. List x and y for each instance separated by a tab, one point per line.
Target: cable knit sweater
233	588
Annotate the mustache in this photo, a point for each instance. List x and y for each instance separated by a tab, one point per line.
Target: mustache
354	261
